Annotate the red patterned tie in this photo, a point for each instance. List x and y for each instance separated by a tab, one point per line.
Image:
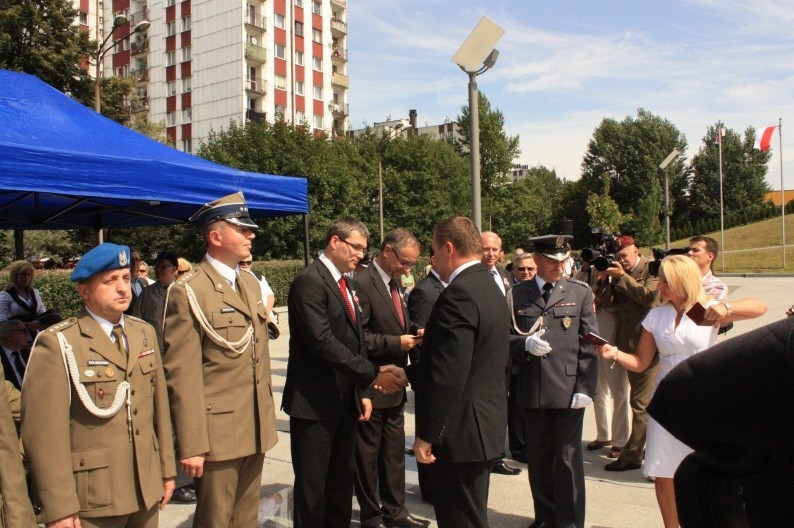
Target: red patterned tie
343	290
395	299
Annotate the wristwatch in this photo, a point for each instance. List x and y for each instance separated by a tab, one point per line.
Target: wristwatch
729	308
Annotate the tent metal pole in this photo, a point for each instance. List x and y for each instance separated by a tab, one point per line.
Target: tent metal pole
305	239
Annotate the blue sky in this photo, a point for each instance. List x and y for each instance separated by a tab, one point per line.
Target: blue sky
564	65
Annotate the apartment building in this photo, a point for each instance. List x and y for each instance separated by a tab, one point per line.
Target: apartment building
202	64
410	127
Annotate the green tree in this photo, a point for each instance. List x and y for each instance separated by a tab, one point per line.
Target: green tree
743	168
41	37
629	153
497	149
603	210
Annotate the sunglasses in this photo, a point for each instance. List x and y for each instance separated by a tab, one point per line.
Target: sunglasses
526	269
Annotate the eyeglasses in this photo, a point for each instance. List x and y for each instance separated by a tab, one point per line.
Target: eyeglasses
245	262
400	260
526	269
357	248
181	272
143	271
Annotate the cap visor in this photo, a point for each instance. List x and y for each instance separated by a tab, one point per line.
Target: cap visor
243	222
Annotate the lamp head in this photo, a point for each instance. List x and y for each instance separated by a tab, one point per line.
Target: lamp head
119	21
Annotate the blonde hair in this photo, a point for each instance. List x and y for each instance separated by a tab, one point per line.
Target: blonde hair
184	262
17	267
683	278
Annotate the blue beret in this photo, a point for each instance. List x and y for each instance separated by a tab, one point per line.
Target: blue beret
104	257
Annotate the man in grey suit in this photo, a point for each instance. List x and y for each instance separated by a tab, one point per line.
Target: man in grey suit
556	381
388	336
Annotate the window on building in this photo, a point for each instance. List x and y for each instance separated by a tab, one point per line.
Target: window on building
280	52
186	24
186	54
170	58
278	21
84	19
317	35
171	2
280	112
317	63
171	88
317	8
187	115
187	146
299	3
299	58
300	118
318	92
281	82
170	119
298	29
187	84
318	121
299	87
170	29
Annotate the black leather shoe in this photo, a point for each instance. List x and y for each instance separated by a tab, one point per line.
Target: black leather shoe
184	495
621	465
520	457
409	522
501	468
542	524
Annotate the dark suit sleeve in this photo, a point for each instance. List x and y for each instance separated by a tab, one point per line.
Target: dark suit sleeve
309	302
419	307
441	375
588	364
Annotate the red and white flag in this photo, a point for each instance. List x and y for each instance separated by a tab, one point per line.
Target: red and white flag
720	135
766	138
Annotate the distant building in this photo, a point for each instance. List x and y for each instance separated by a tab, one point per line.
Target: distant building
774	197
446	130
518	173
202	64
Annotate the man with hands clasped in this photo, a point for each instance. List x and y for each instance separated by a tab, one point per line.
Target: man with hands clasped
556	381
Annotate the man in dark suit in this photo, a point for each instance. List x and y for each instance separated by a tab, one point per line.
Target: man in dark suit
14	354
461	398
557	380
327	364
389	335
492	254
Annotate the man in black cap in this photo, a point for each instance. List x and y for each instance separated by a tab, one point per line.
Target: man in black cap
556	381
217	367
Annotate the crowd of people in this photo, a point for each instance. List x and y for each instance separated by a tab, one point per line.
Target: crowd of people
162	388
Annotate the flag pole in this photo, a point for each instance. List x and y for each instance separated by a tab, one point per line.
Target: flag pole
782	188
722	216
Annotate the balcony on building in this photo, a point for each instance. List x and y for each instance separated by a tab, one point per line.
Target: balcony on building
339	79
142	74
255	53
256	19
340	109
140	45
256	84
338	27
339	54
340	3
252	116
138	17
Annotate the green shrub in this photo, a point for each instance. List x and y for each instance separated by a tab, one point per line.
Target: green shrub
279	274
57	291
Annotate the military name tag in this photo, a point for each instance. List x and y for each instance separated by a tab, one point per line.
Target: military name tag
566	322
146	353
566	304
227	310
98	362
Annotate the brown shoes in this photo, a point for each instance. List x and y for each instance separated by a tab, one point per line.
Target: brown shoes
595	445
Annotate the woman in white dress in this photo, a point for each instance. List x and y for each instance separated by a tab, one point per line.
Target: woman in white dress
676	337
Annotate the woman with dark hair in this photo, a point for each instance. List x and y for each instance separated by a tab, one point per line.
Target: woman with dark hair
20	300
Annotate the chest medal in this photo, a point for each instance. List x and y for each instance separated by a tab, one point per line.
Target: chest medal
566	322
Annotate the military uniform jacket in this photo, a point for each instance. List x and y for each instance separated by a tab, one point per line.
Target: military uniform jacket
550	381
221	401
83	463
633	296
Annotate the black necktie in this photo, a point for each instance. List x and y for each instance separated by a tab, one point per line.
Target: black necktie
19	364
547	291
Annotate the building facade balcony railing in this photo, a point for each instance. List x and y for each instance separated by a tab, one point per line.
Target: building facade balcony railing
340	109
256	84
141	74
338	79
139	17
139	47
339	54
255	53
256	20
338	26
252	116
340	3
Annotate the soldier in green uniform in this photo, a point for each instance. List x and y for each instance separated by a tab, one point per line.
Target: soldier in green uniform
95	408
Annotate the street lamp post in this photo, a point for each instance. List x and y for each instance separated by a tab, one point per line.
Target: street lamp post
393	132
663	165
102	50
476	56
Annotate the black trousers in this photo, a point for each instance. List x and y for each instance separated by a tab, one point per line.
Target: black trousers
380	467
515	418
556	468
322	459
461	492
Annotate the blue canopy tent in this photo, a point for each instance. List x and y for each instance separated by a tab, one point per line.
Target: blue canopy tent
63	166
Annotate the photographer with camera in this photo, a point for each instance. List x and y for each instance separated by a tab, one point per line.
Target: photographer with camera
634	293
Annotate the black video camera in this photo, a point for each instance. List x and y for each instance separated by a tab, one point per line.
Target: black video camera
659	254
602	255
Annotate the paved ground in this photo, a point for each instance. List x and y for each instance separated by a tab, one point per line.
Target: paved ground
623	500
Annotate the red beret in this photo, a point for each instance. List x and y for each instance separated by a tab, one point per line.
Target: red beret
624	242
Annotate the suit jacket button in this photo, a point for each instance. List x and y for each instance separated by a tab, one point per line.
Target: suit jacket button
209	407
137	432
132	392
135	412
82	461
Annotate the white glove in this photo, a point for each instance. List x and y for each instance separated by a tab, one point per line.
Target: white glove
537	346
580	401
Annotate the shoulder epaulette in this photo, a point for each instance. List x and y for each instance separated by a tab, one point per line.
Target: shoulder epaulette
188	276
581	283
54	329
